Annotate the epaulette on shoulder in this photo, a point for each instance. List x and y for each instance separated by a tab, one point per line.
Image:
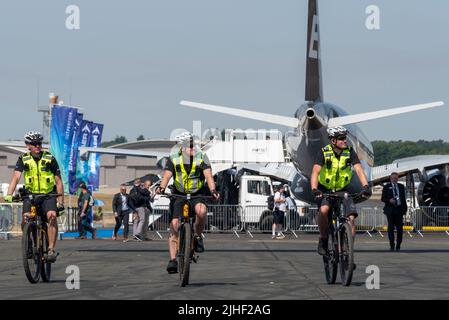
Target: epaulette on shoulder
48	156
25	156
327	148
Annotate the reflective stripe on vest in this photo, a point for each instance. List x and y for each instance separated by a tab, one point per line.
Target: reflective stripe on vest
188	182
336	173
37	175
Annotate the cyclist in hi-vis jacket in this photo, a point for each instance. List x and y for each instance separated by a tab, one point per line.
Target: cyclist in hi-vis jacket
332	172
191	170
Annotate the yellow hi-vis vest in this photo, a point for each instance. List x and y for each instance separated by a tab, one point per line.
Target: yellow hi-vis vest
37	175
188	182
336	173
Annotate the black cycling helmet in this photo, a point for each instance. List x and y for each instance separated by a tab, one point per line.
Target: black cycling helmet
33	137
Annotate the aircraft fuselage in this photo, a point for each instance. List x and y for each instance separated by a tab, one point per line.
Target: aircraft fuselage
305	143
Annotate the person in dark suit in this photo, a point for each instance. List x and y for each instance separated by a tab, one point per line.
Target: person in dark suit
393	195
121	208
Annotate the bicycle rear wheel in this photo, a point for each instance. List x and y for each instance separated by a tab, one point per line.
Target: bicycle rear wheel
31	254
185	248
45	266
346	254
331	259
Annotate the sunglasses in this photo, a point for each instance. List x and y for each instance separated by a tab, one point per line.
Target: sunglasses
36	144
342	138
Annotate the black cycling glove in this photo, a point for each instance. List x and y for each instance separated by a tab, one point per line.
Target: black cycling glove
317	194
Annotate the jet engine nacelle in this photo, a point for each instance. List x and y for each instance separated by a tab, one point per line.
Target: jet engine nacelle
300	187
434	192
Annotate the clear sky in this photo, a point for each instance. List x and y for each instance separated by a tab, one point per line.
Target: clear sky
131	62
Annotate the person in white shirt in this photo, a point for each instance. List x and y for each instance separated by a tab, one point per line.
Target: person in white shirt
280	206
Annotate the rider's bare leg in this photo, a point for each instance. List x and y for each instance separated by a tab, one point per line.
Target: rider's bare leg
173	239
323	220
25	217
351	221
200	210
52	229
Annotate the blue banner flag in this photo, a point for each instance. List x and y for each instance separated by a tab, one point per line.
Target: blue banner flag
84	138
73	186
93	175
61	131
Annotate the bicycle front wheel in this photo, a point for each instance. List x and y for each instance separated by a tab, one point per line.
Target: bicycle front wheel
185	247
45	266
331	259
346	254
31	253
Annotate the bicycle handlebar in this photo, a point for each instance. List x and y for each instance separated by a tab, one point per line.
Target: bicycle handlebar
186	197
342	195
20	198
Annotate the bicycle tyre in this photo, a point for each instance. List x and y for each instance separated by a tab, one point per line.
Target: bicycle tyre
346	254
331	259
45	266
185	250
32	262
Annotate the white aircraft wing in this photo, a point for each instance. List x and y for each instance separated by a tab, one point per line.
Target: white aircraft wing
361	117
254	115
84	152
293	122
418	164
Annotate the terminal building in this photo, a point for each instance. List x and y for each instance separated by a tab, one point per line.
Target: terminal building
114	170
239	147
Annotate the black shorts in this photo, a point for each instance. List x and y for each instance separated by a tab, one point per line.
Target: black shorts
45	204
278	216
176	205
348	205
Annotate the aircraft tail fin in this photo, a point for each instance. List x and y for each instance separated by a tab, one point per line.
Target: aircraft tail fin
314	85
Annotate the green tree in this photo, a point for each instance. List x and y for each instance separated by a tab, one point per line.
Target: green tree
117	140
140	138
386	152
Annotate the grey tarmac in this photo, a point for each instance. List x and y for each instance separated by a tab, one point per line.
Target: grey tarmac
247	268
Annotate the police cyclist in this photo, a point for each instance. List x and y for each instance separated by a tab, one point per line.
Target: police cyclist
41	176
191	170
332	172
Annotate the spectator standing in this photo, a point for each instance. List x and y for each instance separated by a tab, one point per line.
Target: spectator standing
148	199
121	211
138	199
393	195
280	206
84	206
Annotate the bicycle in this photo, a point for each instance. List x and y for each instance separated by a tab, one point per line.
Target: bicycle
340	247
35	241
186	242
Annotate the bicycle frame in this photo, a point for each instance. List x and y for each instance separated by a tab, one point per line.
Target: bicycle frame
340	241
36	234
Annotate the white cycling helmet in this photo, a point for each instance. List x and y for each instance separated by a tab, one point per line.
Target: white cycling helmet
338	131
185	139
33	137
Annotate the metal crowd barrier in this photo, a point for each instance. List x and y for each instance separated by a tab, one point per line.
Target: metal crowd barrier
224	219
10	218
431	219
234	219
69	221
